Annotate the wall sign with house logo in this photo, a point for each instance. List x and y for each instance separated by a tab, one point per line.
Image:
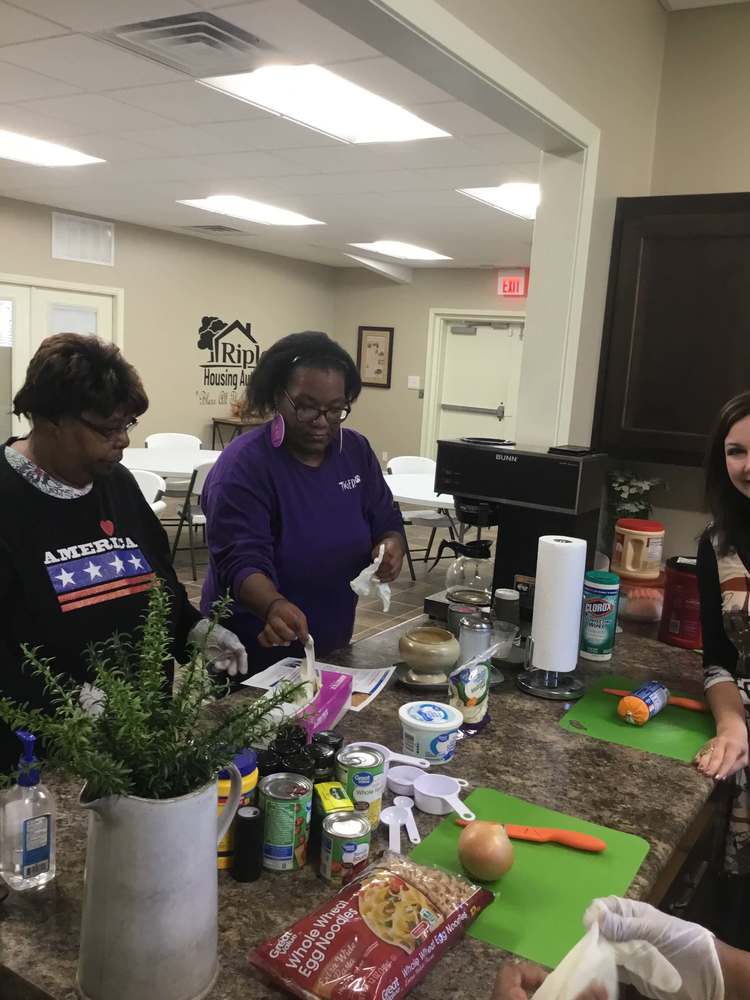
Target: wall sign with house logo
232	354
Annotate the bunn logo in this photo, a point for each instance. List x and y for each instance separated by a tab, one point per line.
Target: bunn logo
502	457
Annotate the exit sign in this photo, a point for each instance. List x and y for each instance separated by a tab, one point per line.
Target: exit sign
514	283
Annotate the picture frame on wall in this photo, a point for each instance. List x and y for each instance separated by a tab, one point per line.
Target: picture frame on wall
375	355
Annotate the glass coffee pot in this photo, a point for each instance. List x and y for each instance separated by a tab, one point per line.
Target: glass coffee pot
469	577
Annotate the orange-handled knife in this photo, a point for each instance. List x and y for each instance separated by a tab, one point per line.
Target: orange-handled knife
551	835
693	704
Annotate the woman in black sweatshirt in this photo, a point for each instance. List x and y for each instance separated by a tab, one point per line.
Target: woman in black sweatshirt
79	546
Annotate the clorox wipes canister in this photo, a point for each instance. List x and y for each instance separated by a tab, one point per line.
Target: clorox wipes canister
601	591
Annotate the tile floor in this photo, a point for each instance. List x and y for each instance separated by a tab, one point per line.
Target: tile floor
407	595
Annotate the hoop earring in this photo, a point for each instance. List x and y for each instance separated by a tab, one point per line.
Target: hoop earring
278	431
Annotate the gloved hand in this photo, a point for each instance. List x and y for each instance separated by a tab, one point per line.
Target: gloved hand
689	947
221	648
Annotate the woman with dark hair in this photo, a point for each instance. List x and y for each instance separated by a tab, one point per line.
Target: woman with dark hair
724	581
298	507
79	546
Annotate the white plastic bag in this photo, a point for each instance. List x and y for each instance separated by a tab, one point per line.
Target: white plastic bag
363	584
595	959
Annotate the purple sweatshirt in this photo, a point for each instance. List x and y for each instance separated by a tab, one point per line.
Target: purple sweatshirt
311	530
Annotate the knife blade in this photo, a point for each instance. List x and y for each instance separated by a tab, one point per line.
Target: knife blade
552	835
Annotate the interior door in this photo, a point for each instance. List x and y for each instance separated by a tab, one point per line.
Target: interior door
37	313
15	315
481	376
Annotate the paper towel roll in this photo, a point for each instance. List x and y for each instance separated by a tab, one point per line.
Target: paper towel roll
558	593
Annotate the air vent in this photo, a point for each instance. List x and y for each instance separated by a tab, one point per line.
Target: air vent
211	229
199	44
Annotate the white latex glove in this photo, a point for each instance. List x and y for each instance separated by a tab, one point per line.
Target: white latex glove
221	648
689	947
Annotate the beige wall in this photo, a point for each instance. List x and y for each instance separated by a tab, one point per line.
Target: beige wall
392	419
703	142
170	282
604	58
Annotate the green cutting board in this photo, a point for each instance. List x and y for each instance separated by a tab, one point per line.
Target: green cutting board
674	732
540	902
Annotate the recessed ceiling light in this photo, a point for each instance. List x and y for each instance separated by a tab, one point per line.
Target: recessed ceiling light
516	199
403	251
253	211
23	148
313	96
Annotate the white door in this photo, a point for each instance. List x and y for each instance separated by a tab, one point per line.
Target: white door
15	318
41	312
480	379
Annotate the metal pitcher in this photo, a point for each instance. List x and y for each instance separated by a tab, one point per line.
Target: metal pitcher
150	899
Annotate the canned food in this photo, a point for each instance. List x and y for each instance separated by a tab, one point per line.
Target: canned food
325	763
329	738
328	797
362	773
345	848
285	801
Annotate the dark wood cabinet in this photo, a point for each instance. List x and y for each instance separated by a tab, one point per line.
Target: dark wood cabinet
676	339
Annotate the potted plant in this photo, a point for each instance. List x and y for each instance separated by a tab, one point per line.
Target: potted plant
148	760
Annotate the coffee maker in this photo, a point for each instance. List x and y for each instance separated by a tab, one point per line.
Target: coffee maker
527	492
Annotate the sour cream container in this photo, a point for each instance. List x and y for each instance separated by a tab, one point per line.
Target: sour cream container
430	729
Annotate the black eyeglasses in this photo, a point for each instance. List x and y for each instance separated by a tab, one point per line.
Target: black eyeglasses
309	414
109	433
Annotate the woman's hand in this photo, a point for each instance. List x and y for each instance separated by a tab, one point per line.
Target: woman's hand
515	980
393	557
726	753
284	623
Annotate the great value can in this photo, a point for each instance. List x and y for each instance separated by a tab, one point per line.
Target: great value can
362	773
286	802
345	848
601	591
644	703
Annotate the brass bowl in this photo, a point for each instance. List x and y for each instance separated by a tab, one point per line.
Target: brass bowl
429	650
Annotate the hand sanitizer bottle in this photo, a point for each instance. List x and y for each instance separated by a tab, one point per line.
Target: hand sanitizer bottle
27	854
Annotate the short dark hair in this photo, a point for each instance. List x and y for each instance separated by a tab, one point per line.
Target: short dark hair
309	349
71	374
729	508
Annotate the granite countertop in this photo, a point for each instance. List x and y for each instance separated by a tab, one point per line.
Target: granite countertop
523	753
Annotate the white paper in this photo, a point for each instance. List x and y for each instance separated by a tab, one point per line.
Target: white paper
366	684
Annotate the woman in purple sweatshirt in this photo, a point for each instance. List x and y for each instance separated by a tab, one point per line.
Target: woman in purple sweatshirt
298	507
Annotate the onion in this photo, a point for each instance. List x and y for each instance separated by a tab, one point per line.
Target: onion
485	850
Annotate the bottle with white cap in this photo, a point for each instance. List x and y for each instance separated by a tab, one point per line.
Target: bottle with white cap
506	606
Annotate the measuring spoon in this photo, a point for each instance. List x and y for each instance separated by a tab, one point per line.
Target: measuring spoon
411	824
394	818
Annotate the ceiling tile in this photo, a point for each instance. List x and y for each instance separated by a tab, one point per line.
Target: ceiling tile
188	102
296	29
17	84
361	182
20	26
100	113
217	167
96	15
18	118
390	79
87	63
341	158
176	140
456	118
114	147
268	133
430	153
